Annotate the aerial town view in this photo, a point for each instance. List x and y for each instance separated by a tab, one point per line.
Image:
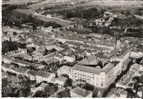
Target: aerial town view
72	48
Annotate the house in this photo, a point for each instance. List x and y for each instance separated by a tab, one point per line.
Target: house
80	92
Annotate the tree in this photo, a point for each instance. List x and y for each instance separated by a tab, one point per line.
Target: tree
89	87
130	93
24	86
8	91
40	94
50	89
138	83
68	82
9	46
5	88
95	92
65	93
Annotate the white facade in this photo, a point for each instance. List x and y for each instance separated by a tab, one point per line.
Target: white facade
103	78
98	80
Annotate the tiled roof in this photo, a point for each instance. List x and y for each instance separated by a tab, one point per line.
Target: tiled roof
86	69
94	70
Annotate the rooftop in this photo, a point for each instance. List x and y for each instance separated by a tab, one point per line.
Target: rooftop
17	61
50	47
95	70
20	70
91	60
31	72
43	73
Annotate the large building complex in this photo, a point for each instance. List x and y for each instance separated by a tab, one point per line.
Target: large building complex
96	75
